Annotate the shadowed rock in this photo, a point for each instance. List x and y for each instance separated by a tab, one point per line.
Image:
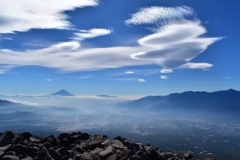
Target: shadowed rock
78	146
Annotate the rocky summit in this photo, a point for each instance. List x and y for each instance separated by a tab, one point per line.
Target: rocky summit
79	146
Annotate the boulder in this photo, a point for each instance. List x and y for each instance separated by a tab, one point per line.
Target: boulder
10	157
79	146
26	135
44	154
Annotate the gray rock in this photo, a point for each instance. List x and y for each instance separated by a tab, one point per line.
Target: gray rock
187	156
1	153
6	138
6	148
62	136
27	158
26	135
78	149
62	151
98	137
125	154
44	154
112	157
84	144
96	151
87	156
10	157
107	152
47	145
34	139
54	154
25	150
79	146
94	144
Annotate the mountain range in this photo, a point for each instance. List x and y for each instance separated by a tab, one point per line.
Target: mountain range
227	100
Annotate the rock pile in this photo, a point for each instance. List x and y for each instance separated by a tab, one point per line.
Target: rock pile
78	146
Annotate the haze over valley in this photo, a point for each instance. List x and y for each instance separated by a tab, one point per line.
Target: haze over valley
179	122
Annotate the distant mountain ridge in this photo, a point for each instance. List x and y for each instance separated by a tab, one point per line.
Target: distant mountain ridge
62	93
5	102
218	101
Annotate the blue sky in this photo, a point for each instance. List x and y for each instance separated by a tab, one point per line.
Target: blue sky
118	47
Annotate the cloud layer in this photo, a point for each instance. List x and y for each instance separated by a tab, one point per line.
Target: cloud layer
172	46
23	15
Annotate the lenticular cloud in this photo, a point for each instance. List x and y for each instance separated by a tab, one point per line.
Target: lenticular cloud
175	44
177	38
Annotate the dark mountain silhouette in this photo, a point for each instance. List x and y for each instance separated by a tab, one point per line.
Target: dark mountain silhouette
5	103
62	93
23	115
227	100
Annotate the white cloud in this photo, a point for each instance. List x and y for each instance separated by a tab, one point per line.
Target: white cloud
92	33
62	47
166	71
132	79
84	77
160	48
126	79
67	56
163	15
49	80
141	80
197	65
175	45
16	15
164	77
129	72
4	68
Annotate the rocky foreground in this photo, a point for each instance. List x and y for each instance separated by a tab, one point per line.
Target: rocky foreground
78	146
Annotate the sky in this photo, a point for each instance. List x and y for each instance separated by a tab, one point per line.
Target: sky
118	47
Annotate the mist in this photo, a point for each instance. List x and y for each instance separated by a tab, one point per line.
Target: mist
170	128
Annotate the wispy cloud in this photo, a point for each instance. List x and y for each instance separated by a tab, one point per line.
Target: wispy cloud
129	72
162	15
49	80
164	77
23	15
169	48
92	33
84	77
141	80
131	79
166	71
5	68
172	46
